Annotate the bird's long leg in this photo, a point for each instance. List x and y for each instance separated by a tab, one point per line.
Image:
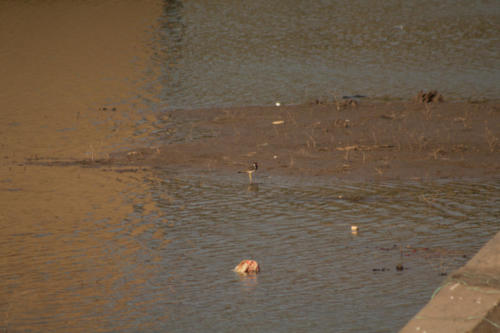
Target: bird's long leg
250	177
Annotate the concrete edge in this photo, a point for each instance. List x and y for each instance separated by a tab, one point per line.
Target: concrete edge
468	301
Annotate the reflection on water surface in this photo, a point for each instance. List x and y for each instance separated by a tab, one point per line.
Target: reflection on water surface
236	53
109	249
153	251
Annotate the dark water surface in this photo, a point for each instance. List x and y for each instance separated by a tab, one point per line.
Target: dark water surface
86	249
241	53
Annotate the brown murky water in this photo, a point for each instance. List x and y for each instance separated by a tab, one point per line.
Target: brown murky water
94	250
133	249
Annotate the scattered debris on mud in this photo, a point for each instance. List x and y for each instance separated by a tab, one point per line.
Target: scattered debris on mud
432	96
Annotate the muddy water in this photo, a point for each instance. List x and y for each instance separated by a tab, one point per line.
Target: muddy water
101	250
131	249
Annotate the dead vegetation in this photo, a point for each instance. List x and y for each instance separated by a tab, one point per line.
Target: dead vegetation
377	139
491	138
432	96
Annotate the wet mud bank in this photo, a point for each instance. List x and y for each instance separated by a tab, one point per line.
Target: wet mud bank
372	140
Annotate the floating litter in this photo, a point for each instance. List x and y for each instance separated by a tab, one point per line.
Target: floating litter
247	267
354	229
278	122
277	103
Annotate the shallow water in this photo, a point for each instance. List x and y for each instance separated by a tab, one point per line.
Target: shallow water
131	249
153	251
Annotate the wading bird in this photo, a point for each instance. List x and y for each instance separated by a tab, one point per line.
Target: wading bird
251	169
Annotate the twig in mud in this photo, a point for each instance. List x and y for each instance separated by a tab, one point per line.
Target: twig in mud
229	114
353	147
291	118
419	142
311	142
491	139
398	142
437	152
375	140
277	132
428	111
346	155
346	167
464	120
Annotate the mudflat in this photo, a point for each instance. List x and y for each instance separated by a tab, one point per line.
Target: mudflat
368	140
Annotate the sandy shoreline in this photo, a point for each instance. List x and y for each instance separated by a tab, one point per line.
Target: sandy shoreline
370	141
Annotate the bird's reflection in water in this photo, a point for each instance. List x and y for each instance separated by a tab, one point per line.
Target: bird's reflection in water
254	187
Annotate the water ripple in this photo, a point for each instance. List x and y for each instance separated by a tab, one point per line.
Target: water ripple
310	260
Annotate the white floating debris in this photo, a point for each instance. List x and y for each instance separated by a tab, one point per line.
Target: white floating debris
278	122
277	103
354	229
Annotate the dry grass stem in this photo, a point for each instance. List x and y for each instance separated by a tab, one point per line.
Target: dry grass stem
427	111
491	139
